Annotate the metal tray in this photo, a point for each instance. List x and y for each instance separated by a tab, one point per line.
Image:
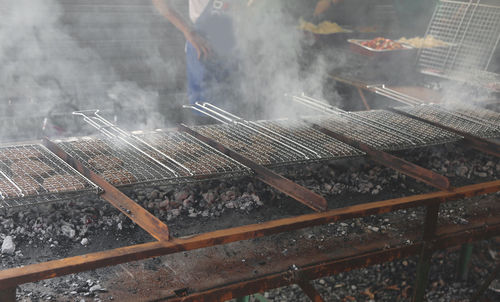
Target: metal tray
356	46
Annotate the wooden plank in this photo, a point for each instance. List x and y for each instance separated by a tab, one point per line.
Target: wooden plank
425	175
36	272
127	206
280	183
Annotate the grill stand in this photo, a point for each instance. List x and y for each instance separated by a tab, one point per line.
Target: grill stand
282	184
475	142
127	206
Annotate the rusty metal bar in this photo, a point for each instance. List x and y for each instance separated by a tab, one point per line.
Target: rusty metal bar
363	98
282	184
310	291
31	273
480	144
365	256
127	206
427	176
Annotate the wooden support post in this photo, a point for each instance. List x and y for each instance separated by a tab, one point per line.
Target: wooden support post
464	261
8	295
424	264
243	299
310	291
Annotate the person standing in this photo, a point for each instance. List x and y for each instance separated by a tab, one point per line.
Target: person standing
211	54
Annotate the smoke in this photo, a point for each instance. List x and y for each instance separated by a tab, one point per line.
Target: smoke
46	70
275	61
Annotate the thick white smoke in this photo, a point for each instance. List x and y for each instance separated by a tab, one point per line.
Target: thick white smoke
44	68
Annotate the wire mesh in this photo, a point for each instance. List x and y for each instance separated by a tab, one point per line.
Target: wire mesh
199	158
472	31
375	138
31	174
471	122
253	145
120	164
421	133
319	146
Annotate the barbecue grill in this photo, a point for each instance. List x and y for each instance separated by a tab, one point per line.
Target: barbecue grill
382	130
162	157
473	31
31	174
273	143
474	121
201	160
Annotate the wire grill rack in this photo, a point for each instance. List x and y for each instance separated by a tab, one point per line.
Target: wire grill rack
120	164
315	144
31	174
475	121
199	158
470	28
421	133
255	146
384	130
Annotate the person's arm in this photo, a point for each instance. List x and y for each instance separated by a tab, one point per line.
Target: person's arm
199	43
323	5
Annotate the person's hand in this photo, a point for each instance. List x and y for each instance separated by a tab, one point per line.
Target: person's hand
200	44
322	6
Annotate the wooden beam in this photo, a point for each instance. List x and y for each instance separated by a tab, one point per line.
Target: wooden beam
359	257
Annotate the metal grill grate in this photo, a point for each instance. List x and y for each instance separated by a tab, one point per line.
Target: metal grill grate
470	28
317	145
199	158
474	121
251	144
120	164
360	132
384	130
422	134
31	174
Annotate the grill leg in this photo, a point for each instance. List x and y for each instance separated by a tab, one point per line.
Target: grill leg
423	268
8	295
243	299
464	261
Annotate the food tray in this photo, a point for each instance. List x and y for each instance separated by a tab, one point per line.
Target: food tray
356	46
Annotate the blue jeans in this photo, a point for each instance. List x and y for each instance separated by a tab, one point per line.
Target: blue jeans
214	80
